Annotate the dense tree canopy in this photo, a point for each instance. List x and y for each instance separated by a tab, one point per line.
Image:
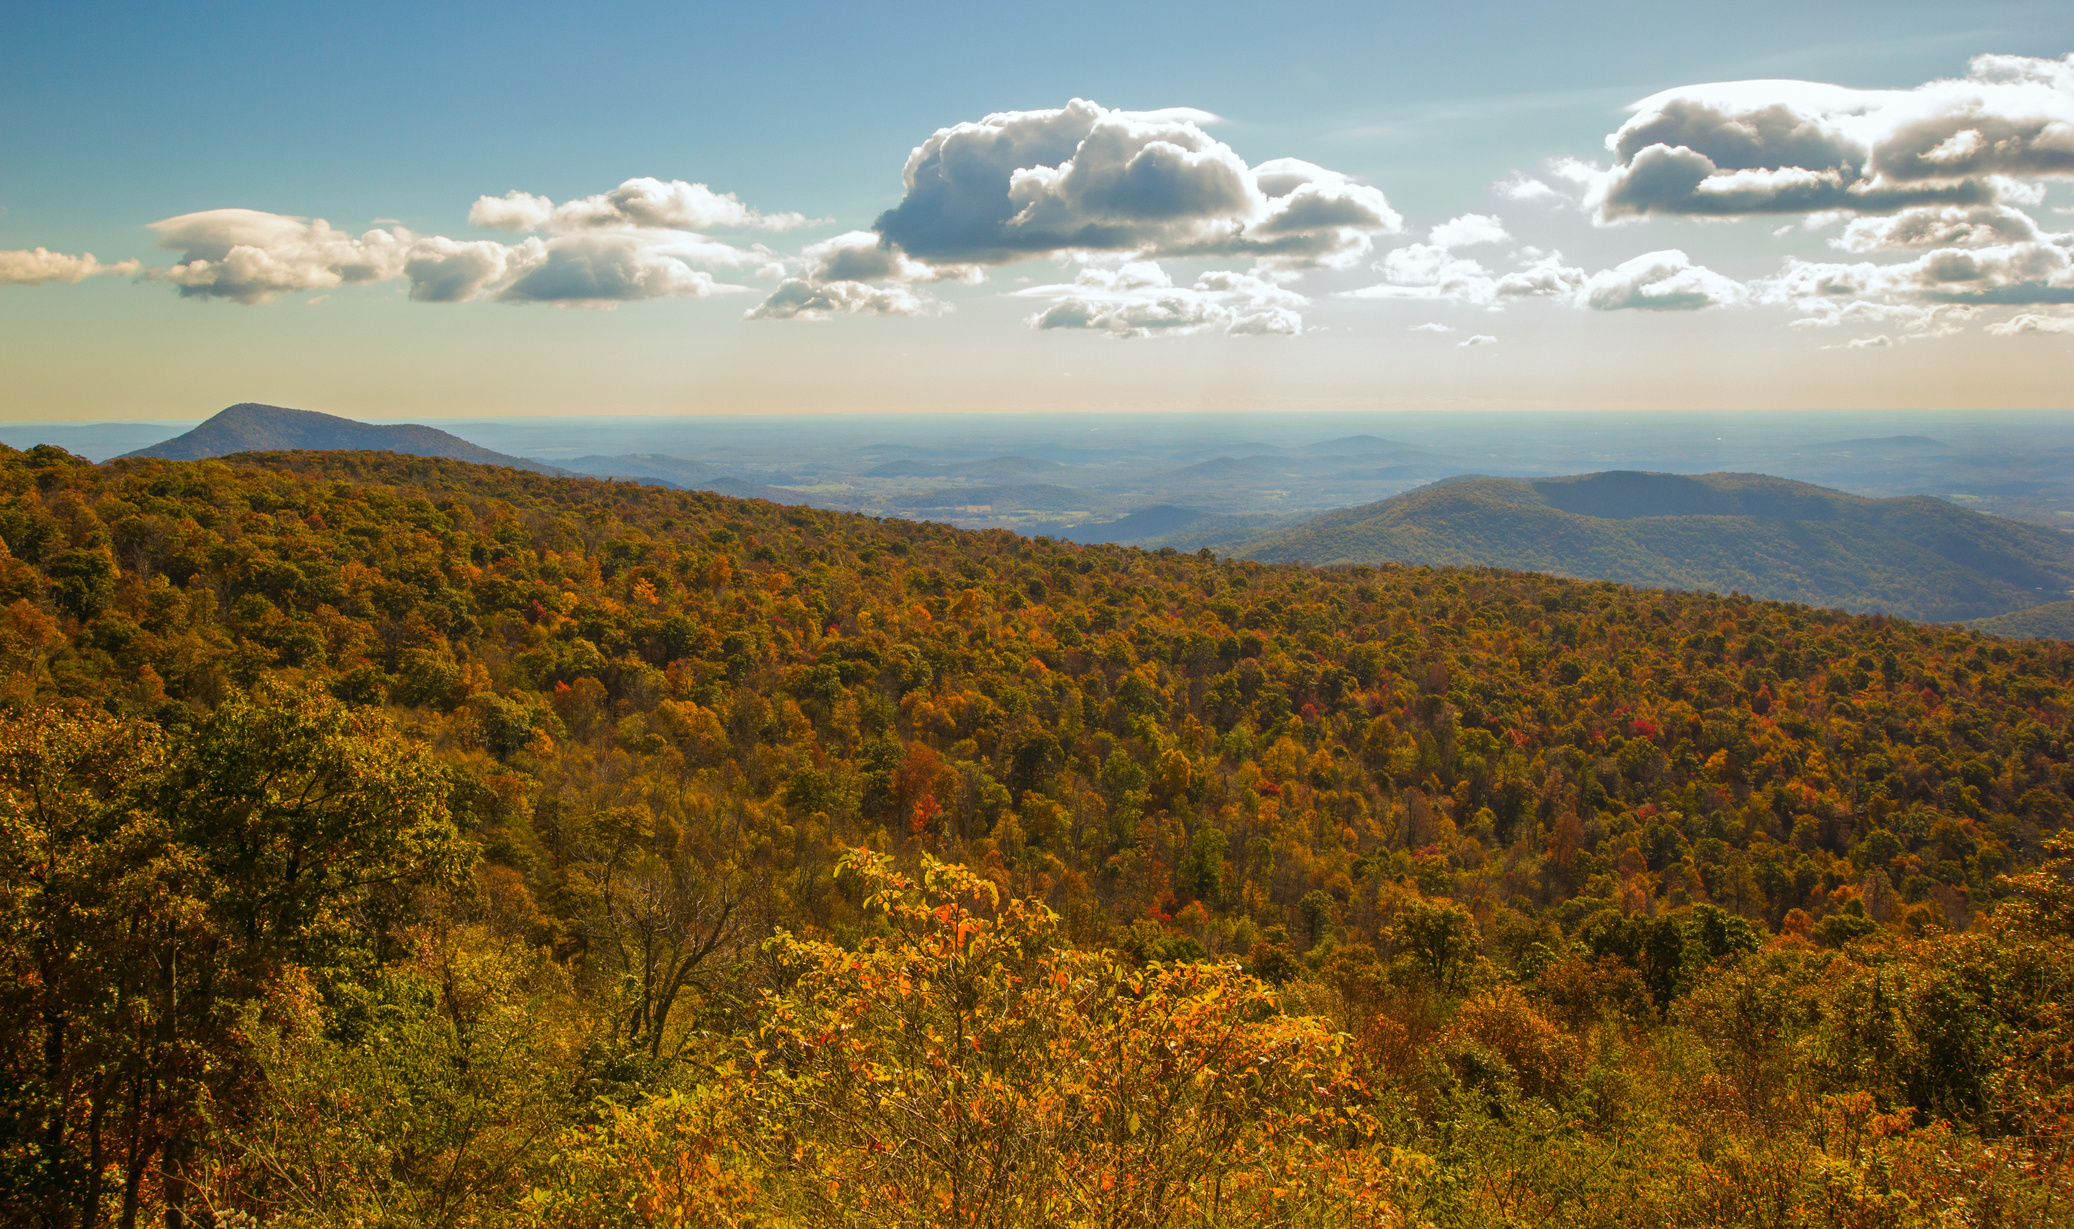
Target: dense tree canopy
344	783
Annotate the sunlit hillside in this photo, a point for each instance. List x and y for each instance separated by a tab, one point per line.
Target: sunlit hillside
395	840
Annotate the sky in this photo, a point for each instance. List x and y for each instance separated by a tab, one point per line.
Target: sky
393	211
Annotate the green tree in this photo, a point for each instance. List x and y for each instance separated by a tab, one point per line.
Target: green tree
1438	938
283	832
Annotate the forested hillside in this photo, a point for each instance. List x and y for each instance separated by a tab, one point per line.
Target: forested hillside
2052	621
1770	537
398	841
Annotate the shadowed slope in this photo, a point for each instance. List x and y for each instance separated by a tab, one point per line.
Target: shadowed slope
1770	537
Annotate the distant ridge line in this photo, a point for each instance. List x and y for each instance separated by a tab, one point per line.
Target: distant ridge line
252	427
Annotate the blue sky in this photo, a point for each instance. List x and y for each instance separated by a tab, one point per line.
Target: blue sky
398	118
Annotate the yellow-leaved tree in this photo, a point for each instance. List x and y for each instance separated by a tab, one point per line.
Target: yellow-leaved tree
967	1066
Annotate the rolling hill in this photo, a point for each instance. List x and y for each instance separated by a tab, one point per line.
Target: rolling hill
1913	556
2052	621
251	427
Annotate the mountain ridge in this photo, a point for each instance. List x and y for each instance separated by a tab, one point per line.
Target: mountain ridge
1914	556
251	426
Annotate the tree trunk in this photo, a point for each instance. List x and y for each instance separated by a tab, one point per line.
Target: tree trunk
90	1210
53	1142
139	1155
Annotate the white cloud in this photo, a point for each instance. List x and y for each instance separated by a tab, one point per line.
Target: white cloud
249	256
2032	322
1140	299
1880	342
1083	178
1931	320
841	278
1430	264
1428	271
2014	274
1481	339
1769	147
607	267
443	270
1521	187
1469	230
1659	281
644	202
862	256
37	266
802	299
1938	226
1433	326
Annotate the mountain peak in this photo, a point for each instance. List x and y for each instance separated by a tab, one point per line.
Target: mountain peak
250	426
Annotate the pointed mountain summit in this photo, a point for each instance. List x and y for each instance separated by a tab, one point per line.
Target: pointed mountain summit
251	427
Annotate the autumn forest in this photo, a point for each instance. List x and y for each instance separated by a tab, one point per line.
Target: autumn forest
390	840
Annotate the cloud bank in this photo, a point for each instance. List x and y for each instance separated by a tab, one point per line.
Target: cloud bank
1140	299
629	244
1771	147
250	257
1928	197
41	266
638	203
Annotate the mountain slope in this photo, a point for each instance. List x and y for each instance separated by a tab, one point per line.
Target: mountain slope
1770	537
2052	621
251	427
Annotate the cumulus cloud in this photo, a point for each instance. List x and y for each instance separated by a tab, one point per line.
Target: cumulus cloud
863	256
1521	187
1481	339
606	268
844	276
2010	274
443	270
1939	226
643	202
1659	281
1769	147
249	256
1140	300
587	258
1429	271
1469	230
1149	184
803	299
38	266
2032	322
1433	326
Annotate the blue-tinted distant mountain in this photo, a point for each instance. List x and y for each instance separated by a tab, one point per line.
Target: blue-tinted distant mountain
1033	496
1891	443
742	489
993	469
1234	469
1347	444
673	471
1913	556
251	427
1156	525
96	441
654	469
